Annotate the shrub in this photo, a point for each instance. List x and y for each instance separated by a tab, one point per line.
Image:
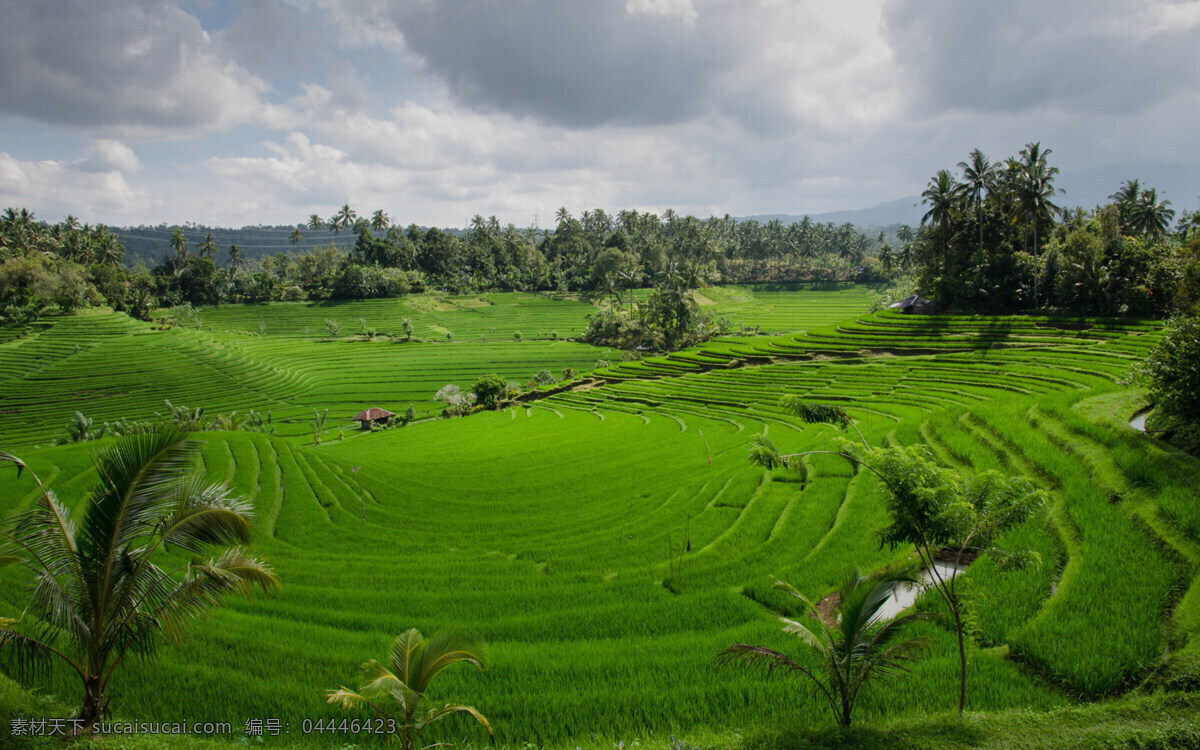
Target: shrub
1172	370
489	390
545	377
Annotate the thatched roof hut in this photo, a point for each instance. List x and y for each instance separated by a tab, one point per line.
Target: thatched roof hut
914	305
374	414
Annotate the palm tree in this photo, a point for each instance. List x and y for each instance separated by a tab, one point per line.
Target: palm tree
977	177
1034	190
296	237
96	595
235	260
1126	199
178	243
861	645
413	662
1149	215
942	196
109	250
343	219
207	248
380	221
887	258
315	223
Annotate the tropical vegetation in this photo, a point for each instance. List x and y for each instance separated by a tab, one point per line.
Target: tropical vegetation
96	594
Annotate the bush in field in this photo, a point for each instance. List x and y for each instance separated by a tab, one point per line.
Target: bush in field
97	598
545	377
399	688
333	326
568	373
409	415
860	646
1172	370
408	328
517	335
489	390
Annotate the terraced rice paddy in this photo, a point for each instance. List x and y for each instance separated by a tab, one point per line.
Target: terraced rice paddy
609	541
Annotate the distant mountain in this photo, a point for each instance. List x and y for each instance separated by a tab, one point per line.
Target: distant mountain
905	210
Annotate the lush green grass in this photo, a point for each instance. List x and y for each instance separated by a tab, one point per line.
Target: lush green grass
609	541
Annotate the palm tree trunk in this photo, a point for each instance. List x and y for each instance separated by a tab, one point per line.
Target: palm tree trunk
1036	264
95	703
979	210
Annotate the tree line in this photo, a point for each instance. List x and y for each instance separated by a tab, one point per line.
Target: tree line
68	266
993	240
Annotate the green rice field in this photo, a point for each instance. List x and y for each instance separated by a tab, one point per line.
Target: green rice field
608	540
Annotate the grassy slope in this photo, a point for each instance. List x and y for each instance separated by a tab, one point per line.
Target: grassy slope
551	530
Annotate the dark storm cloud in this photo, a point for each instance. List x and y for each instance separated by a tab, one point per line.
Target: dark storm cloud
1017	56
576	64
144	65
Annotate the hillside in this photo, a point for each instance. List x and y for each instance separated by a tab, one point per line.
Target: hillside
609	540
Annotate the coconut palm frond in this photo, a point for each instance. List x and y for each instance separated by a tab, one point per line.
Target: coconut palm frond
206	514
452	708
752	656
449	647
25	654
347	699
44	537
405	654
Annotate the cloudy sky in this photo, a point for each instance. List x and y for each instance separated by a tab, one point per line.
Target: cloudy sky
265	111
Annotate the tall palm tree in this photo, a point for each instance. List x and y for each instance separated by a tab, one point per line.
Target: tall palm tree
207	248
861	645
315	223
178	243
296	237
236	261
343	219
977	178
401	685
380	221
109	250
942	196
1151	216
1126	199
1035	188
97	596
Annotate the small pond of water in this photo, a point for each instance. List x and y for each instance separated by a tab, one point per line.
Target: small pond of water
905	594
